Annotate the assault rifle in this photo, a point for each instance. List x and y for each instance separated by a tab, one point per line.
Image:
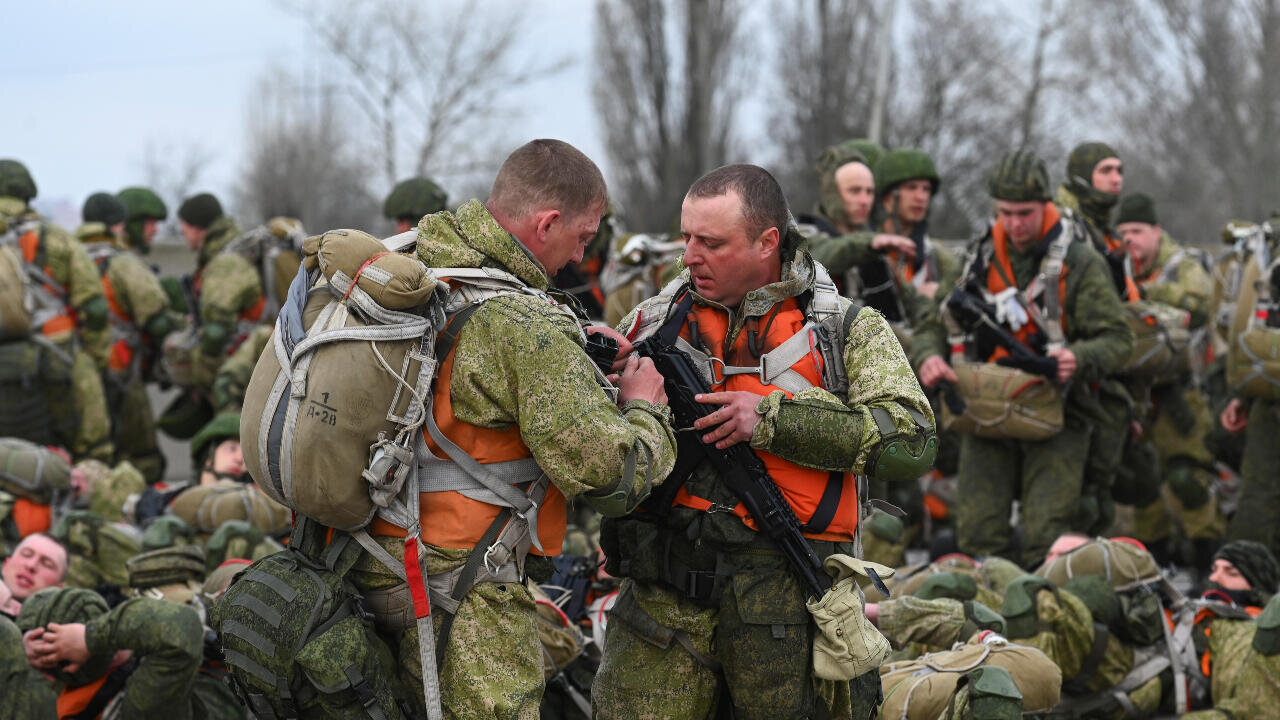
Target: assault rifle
740	469
978	316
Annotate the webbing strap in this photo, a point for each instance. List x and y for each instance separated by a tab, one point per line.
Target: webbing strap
826	510
468	576
426	636
243	662
268	614
277	585
249	635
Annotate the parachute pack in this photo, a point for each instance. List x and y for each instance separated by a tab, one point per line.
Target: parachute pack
1253	354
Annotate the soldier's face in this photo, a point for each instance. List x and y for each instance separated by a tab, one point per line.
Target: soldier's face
192	234
913	200
563	239
37	563
1228	576
1142	241
149	229
724	262
1022	221
227	458
1108	176
857	191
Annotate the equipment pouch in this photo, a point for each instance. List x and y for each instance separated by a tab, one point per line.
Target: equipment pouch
1266	640
992	694
846	644
1004	402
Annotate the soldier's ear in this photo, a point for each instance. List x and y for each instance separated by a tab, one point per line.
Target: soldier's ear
769	242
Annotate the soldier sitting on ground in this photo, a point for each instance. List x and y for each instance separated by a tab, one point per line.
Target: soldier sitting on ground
37	563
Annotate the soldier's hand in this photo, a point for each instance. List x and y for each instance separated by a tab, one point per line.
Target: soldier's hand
1066	363
1234	418
934	369
888	243
640	380
624	345
58	644
736	419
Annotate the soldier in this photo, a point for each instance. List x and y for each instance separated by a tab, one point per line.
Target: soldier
70	329
72	635
139	323
233	376
710	610
1177	423
1080	325
38	562
215	458
26	693
144	211
516	393
228	291
410	200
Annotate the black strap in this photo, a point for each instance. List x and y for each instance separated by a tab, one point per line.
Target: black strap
467	578
826	510
1078	685
670	330
110	688
448	338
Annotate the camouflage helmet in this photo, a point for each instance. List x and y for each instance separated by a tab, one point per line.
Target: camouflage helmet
15	181
223	427
104	208
1020	177
899	166
200	210
142	204
167	531
413	198
63	606
166	566
830	204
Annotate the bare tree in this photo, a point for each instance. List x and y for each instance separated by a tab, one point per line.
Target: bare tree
432	81
301	162
824	76
665	91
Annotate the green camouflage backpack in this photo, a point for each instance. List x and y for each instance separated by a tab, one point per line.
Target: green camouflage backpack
32	471
97	550
296	640
167	531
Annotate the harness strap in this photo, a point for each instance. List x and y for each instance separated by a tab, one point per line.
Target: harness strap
1078	684
827	504
467	579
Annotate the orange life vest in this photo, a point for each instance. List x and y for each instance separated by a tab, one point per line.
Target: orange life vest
1206	662
31	517
120	356
31	243
802	487
73	701
452	520
1000	277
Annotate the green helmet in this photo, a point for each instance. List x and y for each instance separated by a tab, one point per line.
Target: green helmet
200	210
223	427
899	166
142	204
1020	177
1137	207
104	208
63	606
15	181
413	198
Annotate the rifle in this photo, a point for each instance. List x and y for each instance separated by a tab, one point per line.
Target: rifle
972	313
740	469
188	285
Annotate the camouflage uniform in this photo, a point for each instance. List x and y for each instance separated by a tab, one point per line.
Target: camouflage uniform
670	655
139	322
27	695
70	267
518	363
1246	667
236	371
1179	422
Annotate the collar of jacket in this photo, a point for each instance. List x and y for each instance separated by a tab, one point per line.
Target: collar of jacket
472	238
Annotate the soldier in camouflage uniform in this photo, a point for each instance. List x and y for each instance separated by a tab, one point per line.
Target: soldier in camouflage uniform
1095	177
77	336
410	200
517	386
236	371
139	323
710	611
229	293
1048	476
75	627
26	693
1177	422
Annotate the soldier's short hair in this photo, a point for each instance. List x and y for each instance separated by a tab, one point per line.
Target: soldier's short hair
763	203
545	174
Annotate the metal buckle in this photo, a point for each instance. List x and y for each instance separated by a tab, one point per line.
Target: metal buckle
711	364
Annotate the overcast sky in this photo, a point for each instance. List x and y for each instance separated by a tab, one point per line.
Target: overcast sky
90	85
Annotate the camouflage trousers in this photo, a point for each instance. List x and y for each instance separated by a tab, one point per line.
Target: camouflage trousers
1046	477
1178	435
493	662
93	437
1258	513
134	427
666	657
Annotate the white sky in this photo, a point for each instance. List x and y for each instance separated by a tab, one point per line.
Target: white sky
89	85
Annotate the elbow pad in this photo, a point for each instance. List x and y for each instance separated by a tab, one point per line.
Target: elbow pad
622	497
93	313
901	455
